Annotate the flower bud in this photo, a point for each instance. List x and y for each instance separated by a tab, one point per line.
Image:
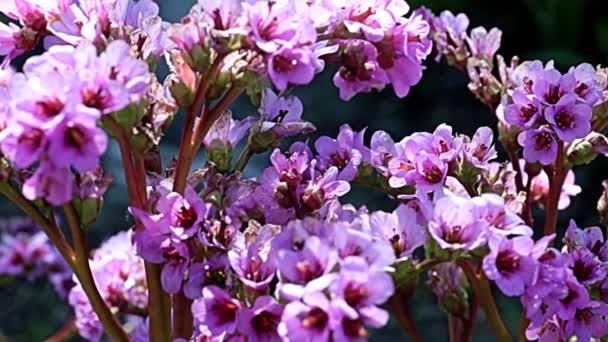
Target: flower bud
599	143
581	152
445	281
88	209
602	204
220	153
5	169
313	198
261	142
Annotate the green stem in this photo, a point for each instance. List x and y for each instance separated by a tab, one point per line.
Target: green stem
85	276
52	230
481	286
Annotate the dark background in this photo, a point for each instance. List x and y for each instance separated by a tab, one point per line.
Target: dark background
566	31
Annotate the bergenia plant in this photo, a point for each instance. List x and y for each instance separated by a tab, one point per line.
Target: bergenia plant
209	255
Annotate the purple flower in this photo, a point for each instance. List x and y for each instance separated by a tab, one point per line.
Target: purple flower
283	115
291	65
428	174
576	297
551	86
569	120
484	44
307	320
209	272
501	220
590	238
362	288
133	74
440	143
216	310
359	71
586	267
227	131
454	227
382	150
54	184
480	150
342	152
260	322
588	87
525	110
322	189
510	264
588	322
547	331
177	257
183	214
274	25
315	259
401	52
79	142
253	266
400	229
539	145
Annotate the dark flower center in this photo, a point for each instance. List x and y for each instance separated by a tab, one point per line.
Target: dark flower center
397	244
50	107
564	120
186	217
543	141
386	53
33	138
355	66
553	94
583	271
315	319
584	315
265	322
433	175
570	297
581	89
507	262
453	234
354	328
307	270
527	112
224	311
339	161
75	137
96	98
284	64
360	14
354	294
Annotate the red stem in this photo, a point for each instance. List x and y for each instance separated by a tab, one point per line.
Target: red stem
64	333
555	188
158	303
454	328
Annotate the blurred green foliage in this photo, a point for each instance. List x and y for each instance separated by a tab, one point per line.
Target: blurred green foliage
566	31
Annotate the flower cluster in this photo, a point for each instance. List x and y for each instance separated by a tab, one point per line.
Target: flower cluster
55	105
281	256
567	295
551	108
371	41
26	252
121	281
69	22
